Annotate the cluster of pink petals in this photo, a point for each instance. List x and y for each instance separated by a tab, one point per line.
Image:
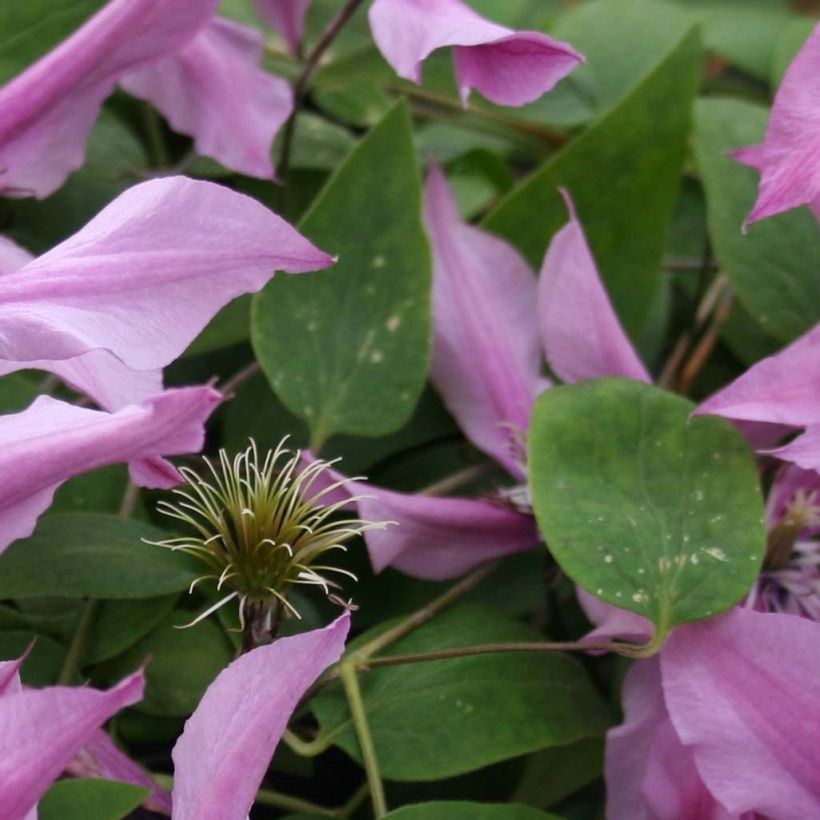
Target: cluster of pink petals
106	310
220	758
493	322
200	71
788	159
508	67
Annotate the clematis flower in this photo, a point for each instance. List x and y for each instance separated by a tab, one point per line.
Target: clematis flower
788	158
491	320
41	730
111	306
285	16
226	746
784	390
507	67
47	112
721	724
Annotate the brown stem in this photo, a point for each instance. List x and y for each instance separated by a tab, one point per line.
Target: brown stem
300	86
233	383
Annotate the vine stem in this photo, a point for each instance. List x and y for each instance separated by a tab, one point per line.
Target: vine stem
350	682
300	86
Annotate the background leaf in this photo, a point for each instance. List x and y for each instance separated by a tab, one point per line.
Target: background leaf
90	800
456	810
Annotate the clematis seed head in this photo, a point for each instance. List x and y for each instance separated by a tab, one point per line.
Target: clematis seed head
263	525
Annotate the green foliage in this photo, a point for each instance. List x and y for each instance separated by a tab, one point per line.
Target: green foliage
452	810
646	507
90	800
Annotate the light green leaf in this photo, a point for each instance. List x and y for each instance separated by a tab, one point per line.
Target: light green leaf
774	267
78	555
624	173
446	717
646	507
90	800
347	348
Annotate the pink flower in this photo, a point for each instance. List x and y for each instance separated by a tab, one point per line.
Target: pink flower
226	747
47	112
788	159
41	730
507	67
285	16
492	319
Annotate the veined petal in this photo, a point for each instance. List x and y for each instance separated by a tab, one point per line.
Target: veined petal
215	90
285	16
486	357
804	451
440	538
12	256
743	692
42	729
580	331
140	281
47	111
784	388
789	159
226	747
52	441
100	758
507	67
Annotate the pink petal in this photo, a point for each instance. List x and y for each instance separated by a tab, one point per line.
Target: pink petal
486	359
47	111
752	155
52	441
42	729
215	90
743	691
784	388
10	683
580	331
12	256
804	451
139	282
788	481
613	623
101	759
226	747
789	158
285	16
507	67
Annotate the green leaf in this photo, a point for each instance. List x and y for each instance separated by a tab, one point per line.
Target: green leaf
623	173
457	810
446	717
44	662
648	508
90	800
183	663
78	555
773	268
347	349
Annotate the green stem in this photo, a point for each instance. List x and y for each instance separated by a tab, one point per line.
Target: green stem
359	714
76	650
359	796
305	748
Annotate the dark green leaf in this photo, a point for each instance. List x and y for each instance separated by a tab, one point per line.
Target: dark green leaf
624	174
44	662
644	506
774	268
456	810
90	800
446	717
80	555
346	349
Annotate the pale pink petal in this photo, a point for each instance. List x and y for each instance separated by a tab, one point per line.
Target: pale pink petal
47	112
440	538
52	441
784	388
613	623
486	357
215	90
507	67
101	759
789	159
743	692
580	331
285	16
752	155
140	281
10	683
12	256
42	729
226	747
804	451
